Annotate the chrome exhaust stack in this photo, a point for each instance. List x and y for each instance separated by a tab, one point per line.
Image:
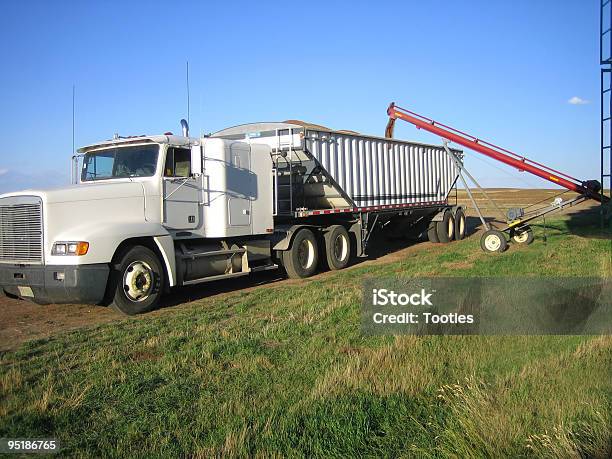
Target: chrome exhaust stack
185	127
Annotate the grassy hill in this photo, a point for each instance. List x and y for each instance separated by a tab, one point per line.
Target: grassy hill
284	370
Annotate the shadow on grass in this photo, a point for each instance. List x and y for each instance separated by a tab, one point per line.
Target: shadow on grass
586	223
590	223
380	245
474	225
583	222
189	293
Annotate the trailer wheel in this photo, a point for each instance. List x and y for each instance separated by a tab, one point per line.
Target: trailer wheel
137	281
432	232
522	235
446	227
337	247
459	225
302	258
493	241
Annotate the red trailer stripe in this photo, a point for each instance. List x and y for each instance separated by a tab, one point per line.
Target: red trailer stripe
307	213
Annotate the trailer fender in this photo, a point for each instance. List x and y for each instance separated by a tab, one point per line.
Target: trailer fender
440	215
355	229
284	234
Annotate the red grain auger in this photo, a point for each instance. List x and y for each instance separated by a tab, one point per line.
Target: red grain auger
493	240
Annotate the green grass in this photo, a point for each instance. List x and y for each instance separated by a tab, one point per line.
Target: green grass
285	371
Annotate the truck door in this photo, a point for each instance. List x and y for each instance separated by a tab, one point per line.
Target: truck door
181	191
241	186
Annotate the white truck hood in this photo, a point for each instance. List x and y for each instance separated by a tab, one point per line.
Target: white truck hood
85	192
102	213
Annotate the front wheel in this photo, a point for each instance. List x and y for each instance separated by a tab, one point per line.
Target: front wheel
137	282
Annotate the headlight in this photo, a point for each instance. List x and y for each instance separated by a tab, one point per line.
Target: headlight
70	248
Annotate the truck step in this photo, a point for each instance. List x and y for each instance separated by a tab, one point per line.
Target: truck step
213	278
264	268
193	255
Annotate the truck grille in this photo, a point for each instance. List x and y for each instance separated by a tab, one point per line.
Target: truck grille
21	235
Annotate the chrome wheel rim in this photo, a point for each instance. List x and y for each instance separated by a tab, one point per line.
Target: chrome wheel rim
306	254
462	225
450	228
138	281
341	247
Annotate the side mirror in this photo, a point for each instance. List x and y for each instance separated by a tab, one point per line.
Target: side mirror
196	160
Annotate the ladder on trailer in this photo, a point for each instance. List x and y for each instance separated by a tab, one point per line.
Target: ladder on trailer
605	61
494	240
286	164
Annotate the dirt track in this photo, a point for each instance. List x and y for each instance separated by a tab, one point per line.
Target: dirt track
21	321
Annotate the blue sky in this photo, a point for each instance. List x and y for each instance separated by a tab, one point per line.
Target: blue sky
501	70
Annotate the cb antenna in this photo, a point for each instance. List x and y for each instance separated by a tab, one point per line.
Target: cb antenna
73	163
73	93
188	120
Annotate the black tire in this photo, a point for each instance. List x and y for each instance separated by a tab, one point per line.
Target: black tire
302	258
460	228
337	247
523	236
493	241
446	227
137	283
432	232
11	296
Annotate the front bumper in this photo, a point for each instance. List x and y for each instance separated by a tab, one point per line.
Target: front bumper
44	284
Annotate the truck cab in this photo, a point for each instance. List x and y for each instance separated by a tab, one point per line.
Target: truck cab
146	213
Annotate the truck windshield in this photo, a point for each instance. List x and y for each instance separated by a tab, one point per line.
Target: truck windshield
136	161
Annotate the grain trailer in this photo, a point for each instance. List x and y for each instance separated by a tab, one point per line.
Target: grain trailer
149	213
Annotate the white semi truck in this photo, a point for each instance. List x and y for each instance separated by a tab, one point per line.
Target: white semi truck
148	213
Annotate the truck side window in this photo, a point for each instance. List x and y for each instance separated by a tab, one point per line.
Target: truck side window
178	163
99	165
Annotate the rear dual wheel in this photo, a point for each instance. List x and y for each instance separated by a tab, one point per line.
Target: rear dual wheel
460	227
452	226
446	227
449	228
337	247
432	232
302	258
